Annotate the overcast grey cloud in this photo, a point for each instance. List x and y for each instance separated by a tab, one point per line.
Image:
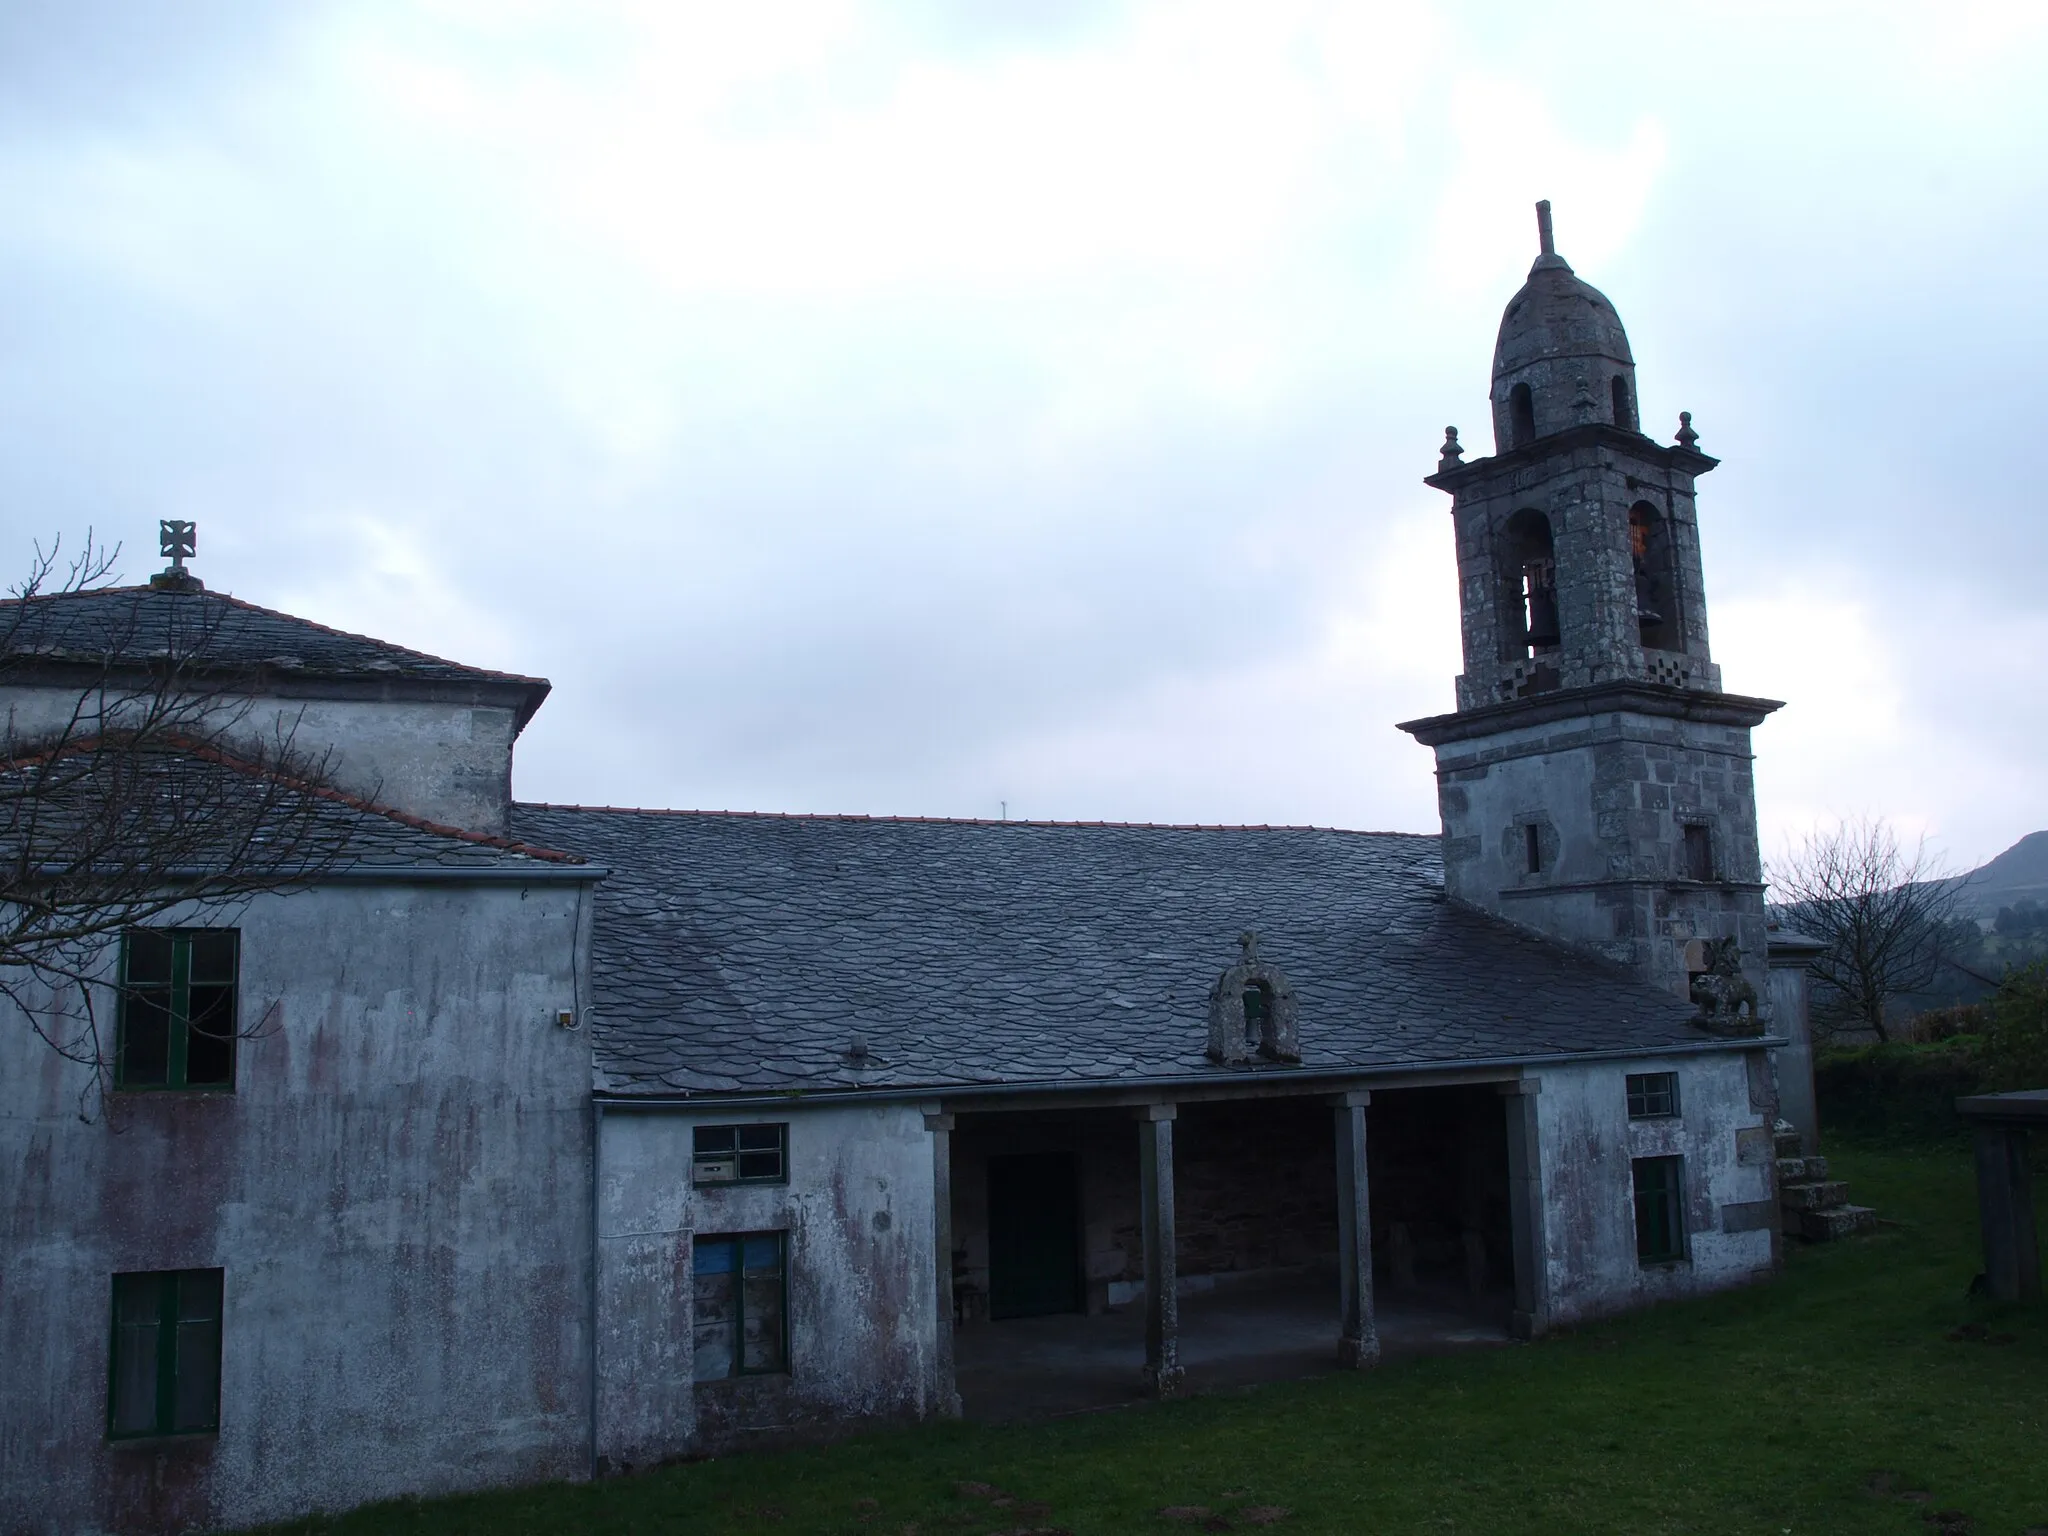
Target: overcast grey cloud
920	408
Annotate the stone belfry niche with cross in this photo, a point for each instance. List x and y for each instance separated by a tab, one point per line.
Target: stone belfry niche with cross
1594	781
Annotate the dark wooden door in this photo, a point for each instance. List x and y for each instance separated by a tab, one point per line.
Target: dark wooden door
1034	1235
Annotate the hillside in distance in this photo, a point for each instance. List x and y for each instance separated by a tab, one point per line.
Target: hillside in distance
2018	874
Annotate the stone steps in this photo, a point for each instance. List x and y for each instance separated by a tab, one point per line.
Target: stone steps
1823	1195
1835	1222
1811	1206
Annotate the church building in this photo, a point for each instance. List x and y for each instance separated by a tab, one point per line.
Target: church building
551	1141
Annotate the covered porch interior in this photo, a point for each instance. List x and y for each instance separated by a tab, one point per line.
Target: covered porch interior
1103	1254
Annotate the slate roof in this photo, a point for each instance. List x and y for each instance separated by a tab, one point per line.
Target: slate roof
385	839
744	953
141	623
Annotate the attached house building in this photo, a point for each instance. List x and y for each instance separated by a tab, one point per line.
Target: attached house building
549	1140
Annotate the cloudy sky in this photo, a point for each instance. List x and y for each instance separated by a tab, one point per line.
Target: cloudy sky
941	407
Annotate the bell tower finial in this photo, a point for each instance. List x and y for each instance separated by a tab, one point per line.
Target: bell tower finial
1543	234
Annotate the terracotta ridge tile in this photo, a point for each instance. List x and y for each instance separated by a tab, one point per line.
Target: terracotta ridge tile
958	821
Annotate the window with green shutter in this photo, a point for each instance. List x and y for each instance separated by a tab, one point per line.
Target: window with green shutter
164	1368
177	1023
739	1296
1660	1209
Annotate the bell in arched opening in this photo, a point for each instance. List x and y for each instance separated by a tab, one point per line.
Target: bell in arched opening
1649	546
1527	573
1539	587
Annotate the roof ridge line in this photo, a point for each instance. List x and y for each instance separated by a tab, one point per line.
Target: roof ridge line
350	634
961	821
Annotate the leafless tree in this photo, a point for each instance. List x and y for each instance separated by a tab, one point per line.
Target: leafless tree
136	784
1886	914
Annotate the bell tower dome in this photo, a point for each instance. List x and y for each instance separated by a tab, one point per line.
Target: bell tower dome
1562	358
1594	780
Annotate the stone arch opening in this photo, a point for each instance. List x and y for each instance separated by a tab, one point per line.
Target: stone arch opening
1624	405
1651	552
1521	416
1529	572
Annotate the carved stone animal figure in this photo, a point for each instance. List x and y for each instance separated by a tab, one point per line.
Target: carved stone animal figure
1721	992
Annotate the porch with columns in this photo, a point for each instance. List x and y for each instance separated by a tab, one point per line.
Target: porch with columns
1278	1192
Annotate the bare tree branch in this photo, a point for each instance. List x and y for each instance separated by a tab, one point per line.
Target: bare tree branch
137	782
1885	913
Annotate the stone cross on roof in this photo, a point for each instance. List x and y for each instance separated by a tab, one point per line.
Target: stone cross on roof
179	539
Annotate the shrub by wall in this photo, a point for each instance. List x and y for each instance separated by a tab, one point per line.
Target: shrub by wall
1896	1092
1907	1091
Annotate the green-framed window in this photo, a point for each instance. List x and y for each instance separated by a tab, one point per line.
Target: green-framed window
741	1316
1660	1209
740	1154
177	1025
164	1361
1652	1095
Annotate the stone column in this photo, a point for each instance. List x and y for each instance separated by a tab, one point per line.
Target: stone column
1358	1336
947	1402
2005	1210
1163	1374
1525	1208
1791	958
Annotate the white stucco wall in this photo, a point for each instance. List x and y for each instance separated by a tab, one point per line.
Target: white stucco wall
398	1191
862	1285
1587	1144
449	762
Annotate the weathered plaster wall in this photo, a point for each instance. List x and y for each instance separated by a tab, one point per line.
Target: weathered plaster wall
1609	795
449	762
1587	1144
862	1291
398	1191
646	1408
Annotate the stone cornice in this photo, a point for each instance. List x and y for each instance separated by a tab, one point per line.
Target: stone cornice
1665	456
1599	699
1625	882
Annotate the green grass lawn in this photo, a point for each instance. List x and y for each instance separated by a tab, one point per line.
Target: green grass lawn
1862	1392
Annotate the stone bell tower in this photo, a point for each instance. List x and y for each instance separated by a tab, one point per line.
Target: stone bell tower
1594	781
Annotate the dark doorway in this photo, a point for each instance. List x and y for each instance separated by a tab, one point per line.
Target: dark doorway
1034	1235
1442	1228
